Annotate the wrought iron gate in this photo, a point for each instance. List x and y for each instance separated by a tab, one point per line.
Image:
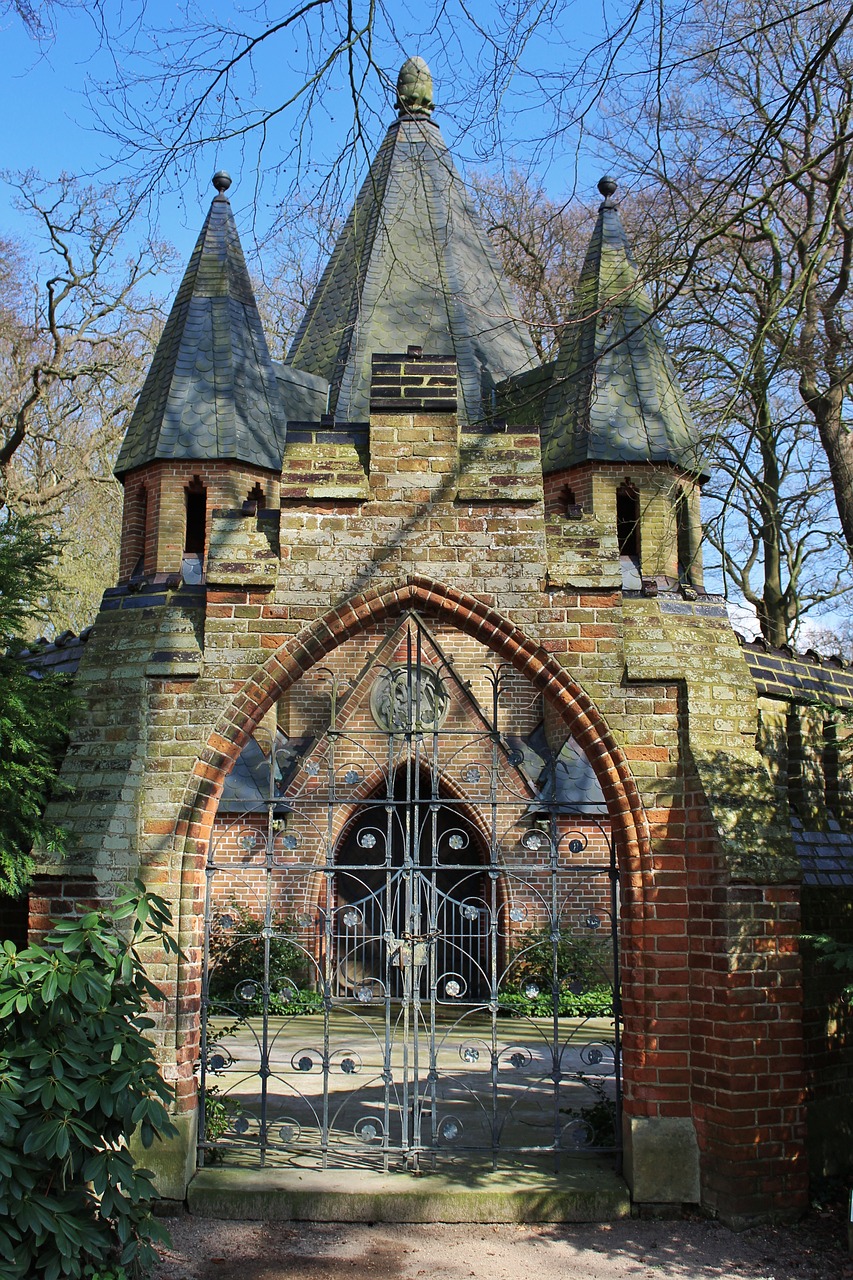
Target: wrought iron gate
411	944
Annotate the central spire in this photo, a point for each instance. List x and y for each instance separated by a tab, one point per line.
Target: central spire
413	266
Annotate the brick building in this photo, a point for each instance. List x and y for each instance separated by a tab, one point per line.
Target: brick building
411	662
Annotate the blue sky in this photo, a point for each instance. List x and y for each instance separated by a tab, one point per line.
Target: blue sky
50	126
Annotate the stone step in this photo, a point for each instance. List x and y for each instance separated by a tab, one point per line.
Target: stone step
587	1191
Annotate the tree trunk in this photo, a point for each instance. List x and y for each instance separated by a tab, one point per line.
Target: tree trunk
837	441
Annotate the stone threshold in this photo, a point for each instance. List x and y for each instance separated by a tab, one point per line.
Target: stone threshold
586	1191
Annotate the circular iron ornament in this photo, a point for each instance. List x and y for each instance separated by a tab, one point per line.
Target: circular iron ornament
576	988
516	757
593	922
454	985
449	1129
596	1055
518	1059
409	698
241	1125
312	769
578	1133
367	839
531	990
364	993
290	1131
305	1060
369	1129
352	918
457	840
469	1053
349	1066
517	915
577	846
218	1062
470	912
471	774
226	922
246	991
290	842
352	777
532	840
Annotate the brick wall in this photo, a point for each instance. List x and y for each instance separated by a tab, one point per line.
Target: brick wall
655	691
158	491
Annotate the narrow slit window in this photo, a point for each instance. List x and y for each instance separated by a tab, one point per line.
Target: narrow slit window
256	494
628	520
796	763
831	768
137	533
682	533
196	500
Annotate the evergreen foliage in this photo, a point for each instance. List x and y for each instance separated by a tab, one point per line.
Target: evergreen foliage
237	960
77	1079
34	713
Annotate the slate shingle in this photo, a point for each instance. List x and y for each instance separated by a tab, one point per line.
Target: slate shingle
614	396
413	265
211	391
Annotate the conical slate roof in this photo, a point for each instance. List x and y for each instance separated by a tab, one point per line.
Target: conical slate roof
211	391
413	265
614	396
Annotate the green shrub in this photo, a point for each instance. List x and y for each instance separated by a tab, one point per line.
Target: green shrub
596	1003
581	959
34	714
829	953
237	958
77	1078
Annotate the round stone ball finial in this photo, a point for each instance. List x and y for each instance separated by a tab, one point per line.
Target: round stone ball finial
414	88
222	181
607	186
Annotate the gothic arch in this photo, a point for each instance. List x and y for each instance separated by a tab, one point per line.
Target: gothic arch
483	623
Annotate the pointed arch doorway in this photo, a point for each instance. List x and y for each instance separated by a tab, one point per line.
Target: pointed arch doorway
413	907
455	914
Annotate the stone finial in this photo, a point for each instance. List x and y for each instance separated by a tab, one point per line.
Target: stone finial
607	186
222	181
414	89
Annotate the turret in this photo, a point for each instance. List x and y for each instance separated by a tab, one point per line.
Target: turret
208	428
617	436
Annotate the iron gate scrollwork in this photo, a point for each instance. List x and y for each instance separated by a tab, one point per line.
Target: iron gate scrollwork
411	945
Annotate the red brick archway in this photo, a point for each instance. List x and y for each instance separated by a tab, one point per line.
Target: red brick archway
289	663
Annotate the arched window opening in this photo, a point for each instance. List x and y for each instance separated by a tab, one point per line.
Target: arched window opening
137	533
831	768
195	530
628	520
414	860
684	544
796	763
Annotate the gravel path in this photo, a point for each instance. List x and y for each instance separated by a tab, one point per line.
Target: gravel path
697	1249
